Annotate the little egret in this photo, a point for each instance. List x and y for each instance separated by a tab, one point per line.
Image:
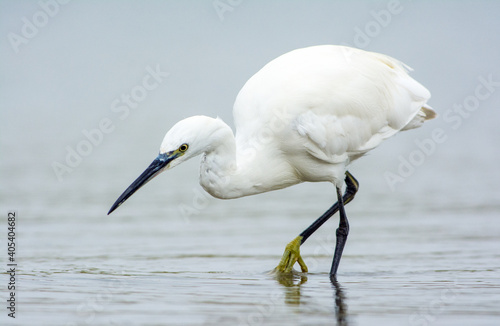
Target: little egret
303	117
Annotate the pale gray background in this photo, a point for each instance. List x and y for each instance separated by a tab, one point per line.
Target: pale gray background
149	261
66	77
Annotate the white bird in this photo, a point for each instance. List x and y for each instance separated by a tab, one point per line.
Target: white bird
303	117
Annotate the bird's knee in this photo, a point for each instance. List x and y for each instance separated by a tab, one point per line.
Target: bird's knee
342	231
351	182
352	187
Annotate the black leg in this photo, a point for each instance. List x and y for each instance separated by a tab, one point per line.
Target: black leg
351	189
342	233
292	250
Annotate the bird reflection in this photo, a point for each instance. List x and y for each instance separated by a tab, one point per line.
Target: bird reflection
292	283
340	305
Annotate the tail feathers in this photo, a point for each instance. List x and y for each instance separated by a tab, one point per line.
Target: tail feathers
425	113
428	112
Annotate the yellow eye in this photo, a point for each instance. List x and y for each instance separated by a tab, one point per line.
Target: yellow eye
183	148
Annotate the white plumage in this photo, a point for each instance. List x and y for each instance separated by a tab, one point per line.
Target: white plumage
306	115
303	117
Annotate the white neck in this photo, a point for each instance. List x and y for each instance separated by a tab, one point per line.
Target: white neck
231	170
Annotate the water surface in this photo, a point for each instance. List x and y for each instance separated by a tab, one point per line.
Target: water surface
148	263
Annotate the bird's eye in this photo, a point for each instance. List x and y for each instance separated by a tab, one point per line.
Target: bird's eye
183	147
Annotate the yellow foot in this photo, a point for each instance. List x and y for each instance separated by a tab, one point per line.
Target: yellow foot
290	257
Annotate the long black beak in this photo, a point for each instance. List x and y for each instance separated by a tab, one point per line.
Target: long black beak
152	171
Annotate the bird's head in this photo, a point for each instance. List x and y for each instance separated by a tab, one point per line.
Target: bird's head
186	139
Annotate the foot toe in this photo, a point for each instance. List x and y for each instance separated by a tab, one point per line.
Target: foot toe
290	257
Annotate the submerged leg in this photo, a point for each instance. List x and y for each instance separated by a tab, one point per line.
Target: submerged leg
292	250
342	233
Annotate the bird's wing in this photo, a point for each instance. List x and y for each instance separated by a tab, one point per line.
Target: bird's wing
340	102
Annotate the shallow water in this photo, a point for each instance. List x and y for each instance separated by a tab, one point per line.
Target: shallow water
149	263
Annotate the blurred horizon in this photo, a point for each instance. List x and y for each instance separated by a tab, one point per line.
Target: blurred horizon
69	67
